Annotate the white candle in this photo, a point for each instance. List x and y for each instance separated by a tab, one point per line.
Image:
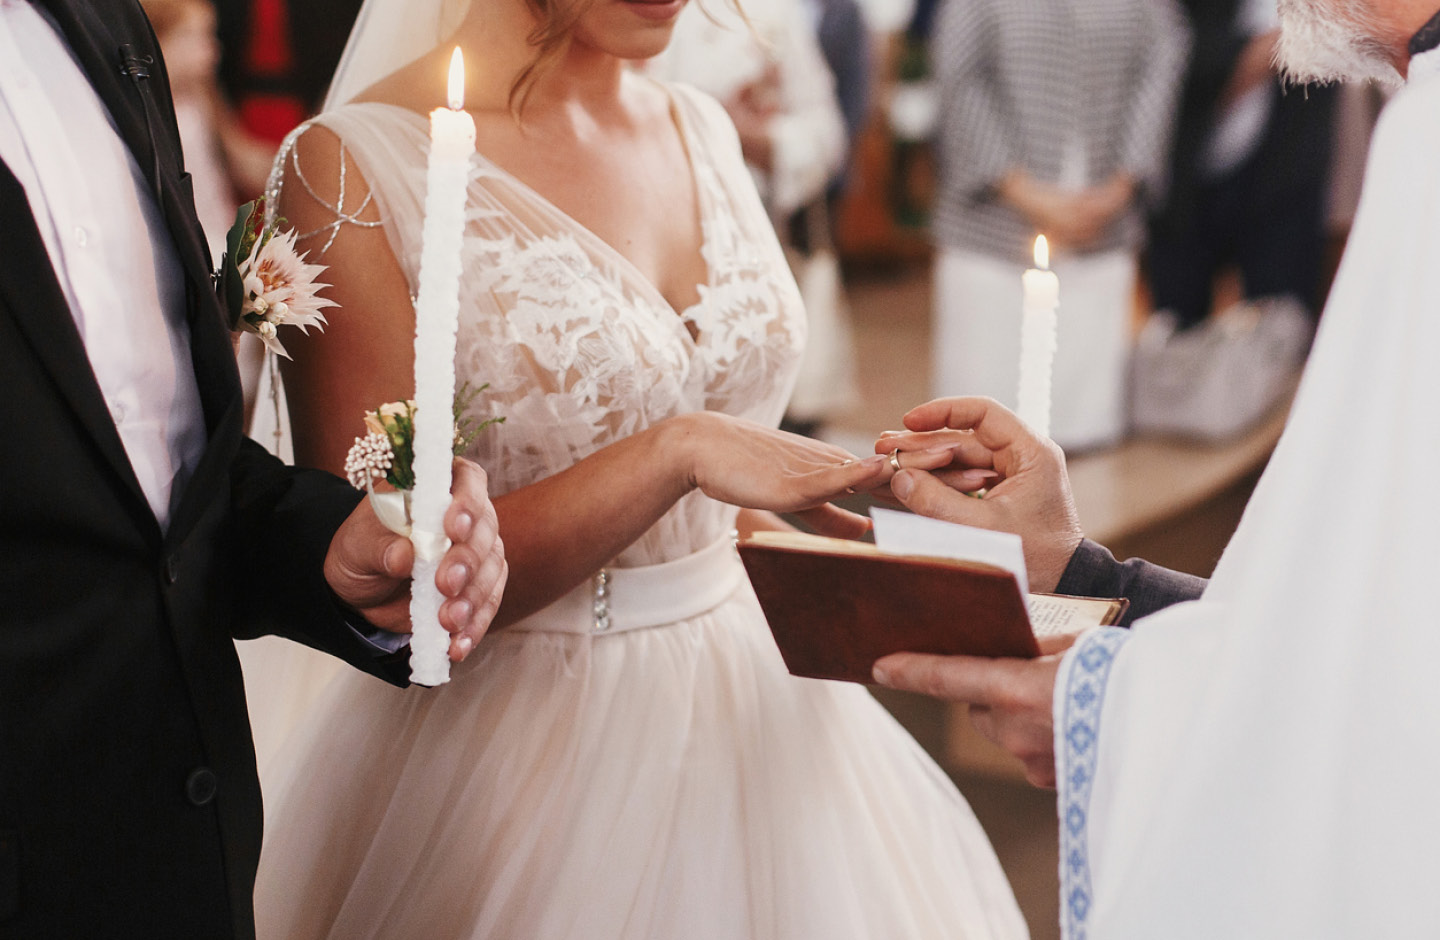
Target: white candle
1037	339
437	316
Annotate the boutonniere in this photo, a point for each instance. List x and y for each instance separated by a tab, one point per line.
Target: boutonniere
264	283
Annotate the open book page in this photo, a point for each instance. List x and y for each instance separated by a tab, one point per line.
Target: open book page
904	533
1052	615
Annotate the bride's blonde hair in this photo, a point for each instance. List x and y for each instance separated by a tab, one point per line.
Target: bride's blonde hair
551	38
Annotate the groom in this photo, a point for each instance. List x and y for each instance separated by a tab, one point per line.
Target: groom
139	531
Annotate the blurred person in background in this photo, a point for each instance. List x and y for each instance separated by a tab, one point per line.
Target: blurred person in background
1054	120
276	61
766	67
186	30
765	64
845	42
1249	169
213	142
827	382
1249	182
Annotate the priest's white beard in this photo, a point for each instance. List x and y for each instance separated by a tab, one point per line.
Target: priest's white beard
1331	41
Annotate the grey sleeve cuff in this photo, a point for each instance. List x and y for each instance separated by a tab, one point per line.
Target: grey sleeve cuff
1094	572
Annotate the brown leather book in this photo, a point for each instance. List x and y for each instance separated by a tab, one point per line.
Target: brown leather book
836	606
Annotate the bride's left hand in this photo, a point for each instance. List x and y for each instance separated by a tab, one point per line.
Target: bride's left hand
368	566
758	467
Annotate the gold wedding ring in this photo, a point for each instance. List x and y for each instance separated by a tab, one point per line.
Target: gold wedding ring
895	460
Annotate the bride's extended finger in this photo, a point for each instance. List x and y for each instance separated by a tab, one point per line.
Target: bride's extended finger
841	479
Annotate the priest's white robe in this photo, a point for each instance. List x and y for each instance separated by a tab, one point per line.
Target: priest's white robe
1264	762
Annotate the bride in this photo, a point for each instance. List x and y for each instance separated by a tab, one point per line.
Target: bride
624	755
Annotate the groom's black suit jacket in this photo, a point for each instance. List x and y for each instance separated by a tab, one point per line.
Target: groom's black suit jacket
129	804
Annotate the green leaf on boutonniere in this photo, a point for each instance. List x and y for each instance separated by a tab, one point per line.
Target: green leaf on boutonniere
238	243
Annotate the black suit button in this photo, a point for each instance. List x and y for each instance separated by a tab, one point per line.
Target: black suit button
171	569
200	787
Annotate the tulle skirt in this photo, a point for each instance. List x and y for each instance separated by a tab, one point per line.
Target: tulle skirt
670	782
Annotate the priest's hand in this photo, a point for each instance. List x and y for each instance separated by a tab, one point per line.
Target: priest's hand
1009	699
1026	489
368	566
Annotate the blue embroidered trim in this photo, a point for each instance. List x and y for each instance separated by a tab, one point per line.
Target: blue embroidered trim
1087	672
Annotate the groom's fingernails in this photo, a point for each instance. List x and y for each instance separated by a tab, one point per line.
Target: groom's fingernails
463	645
880	675
459	577
902	484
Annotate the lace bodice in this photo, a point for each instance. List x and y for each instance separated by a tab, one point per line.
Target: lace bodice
580	350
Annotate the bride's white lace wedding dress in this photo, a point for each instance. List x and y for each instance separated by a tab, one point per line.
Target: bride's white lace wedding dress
633	761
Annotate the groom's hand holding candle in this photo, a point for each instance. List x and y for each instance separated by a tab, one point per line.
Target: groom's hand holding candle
368	566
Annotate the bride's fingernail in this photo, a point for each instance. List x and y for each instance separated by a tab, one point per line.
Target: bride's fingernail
876	462
943	449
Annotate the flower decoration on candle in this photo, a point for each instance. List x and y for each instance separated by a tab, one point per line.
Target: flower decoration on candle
265	283
1038	326
437	317
387	451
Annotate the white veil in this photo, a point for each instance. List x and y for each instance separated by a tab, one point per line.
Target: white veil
389	35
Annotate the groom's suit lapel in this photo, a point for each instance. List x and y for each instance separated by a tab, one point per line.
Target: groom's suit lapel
95	31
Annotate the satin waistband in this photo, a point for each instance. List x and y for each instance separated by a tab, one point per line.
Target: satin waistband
620	599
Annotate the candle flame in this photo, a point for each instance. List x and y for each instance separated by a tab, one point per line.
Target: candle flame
1042	251
457	81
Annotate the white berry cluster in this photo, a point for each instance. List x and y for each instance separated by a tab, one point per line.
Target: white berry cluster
369	459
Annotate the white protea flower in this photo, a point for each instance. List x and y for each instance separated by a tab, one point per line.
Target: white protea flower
281	290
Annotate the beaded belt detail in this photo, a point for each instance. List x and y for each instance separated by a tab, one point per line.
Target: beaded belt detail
620	599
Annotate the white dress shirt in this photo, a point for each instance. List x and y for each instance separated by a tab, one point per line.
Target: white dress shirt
109	246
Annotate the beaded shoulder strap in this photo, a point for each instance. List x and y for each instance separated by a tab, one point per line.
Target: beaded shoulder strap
343	216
